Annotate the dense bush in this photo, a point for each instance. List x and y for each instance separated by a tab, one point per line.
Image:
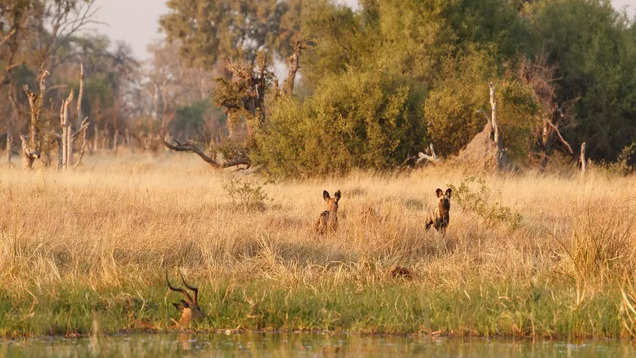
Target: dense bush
367	121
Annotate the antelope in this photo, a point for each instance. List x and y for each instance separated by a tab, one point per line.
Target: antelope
190	310
439	217
328	219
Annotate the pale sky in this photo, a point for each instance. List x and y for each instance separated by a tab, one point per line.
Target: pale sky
136	21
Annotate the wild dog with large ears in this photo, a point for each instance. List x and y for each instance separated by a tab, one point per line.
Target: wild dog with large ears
328	219
440	216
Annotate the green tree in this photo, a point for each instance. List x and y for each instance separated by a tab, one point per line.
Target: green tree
594	48
210	31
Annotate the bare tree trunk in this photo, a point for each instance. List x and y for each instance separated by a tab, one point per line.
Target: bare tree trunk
31	152
80	97
67	136
293	66
582	159
83	131
493	121
70	140
495	126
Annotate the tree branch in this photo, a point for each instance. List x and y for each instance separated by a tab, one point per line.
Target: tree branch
192	148
556	129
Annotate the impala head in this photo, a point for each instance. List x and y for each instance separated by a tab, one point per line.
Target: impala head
332	203
444	201
189	305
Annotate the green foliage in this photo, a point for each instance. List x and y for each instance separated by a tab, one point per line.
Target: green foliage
625	163
473	194
458	107
379	82
517	114
595	50
369	121
280	143
190	119
246	195
209	30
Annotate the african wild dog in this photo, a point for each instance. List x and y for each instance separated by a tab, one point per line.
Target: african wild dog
440	216
328	219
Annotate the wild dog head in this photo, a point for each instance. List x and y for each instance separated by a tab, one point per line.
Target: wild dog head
329	218
440	215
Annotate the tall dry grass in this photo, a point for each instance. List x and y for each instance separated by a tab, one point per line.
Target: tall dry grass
118	223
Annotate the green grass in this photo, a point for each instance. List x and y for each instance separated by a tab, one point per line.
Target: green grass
480	309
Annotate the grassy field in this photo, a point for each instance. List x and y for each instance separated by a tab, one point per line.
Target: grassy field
527	255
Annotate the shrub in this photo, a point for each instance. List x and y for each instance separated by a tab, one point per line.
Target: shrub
357	120
246	195
481	202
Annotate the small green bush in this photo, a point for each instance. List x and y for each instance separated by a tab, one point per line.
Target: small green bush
246	195
481	202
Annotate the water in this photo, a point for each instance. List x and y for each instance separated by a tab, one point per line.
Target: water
305	345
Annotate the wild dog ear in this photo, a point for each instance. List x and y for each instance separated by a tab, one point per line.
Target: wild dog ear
325	195
338	195
449	192
439	192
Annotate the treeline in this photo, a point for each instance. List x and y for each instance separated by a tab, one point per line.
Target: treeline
312	87
381	82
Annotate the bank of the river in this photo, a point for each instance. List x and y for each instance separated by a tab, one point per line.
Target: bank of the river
477	309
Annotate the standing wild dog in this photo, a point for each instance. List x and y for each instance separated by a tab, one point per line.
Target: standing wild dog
328	219
189	307
440	216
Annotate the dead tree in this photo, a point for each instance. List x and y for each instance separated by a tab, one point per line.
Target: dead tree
293	66
582	159
80	95
82	122
83	130
540	76
192	148
422	158
241	98
31	150
495	127
66	137
493	118
429	157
